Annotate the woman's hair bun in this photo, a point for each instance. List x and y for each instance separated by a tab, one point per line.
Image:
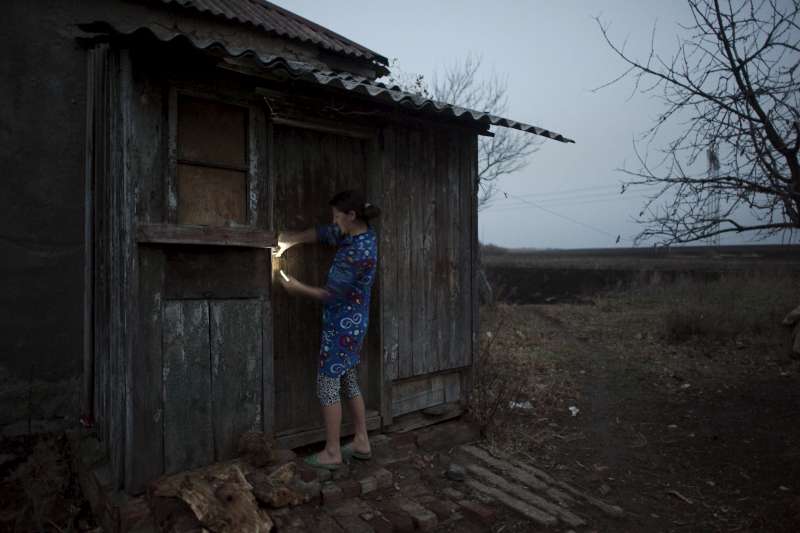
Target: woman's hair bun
352	200
371	211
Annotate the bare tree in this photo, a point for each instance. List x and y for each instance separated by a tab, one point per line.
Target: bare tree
463	84
734	86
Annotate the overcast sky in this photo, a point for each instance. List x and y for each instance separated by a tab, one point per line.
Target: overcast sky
554	55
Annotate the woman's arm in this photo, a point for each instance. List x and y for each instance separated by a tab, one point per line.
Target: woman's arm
287	239
296	287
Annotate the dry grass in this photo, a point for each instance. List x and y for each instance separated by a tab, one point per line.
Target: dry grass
736	306
515	379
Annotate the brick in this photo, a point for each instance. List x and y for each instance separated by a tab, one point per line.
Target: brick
353	524
323	474
379	440
423	519
384	478
443	509
331	493
368	484
281	456
453	493
400	520
342	472
350	488
416	489
307	474
310	491
325	524
351	507
380	524
477	511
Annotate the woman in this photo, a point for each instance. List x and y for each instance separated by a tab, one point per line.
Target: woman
345	317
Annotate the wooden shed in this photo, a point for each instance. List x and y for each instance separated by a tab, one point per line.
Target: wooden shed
209	126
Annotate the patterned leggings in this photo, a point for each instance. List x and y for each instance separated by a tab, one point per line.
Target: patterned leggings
328	387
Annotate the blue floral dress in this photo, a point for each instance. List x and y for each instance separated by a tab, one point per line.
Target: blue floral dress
345	312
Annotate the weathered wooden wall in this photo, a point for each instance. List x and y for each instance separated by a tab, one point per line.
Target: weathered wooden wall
427	245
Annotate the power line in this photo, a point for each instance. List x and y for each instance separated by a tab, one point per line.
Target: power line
501	208
567	201
569	191
559	215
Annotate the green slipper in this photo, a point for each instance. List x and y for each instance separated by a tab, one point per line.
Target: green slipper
347	450
313	460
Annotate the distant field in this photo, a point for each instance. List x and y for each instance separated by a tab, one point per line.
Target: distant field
535	276
720	258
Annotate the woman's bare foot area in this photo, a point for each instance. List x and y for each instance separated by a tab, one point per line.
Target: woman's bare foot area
361	444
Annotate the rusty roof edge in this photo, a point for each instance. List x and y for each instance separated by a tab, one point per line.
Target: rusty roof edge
346	81
360	51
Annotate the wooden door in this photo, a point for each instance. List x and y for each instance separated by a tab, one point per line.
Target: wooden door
309	168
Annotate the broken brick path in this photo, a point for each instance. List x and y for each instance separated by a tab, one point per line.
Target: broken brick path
434	479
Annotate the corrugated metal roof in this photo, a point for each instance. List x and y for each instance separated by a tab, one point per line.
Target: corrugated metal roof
279	21
360	85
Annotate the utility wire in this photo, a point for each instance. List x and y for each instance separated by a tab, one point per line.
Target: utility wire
559	215
500	208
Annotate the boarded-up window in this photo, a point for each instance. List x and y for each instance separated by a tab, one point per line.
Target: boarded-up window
212	162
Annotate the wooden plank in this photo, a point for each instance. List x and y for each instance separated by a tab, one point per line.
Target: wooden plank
122	208
419	269
214	272
102	235
258	197
326	126
145	404
148	154
267	193
376	193
416	420
205	235
211	196
87	396
421	392
188	438
475	302
455	288
467	190
279	148
389	257
212	129
171	185
235	340
267	369
296	438
405	283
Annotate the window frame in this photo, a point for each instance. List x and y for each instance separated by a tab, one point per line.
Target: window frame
256	179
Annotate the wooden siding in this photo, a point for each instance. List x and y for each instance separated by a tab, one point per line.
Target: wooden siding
115	265
426	251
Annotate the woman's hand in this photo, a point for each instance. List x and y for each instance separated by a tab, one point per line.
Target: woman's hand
284	243
298	288
292	286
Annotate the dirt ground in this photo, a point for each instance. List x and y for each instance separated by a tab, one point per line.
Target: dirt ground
699	435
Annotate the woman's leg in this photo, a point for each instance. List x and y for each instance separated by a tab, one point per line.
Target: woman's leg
332	414
328	394
356	403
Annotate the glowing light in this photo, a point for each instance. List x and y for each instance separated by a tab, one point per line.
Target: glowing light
284	276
